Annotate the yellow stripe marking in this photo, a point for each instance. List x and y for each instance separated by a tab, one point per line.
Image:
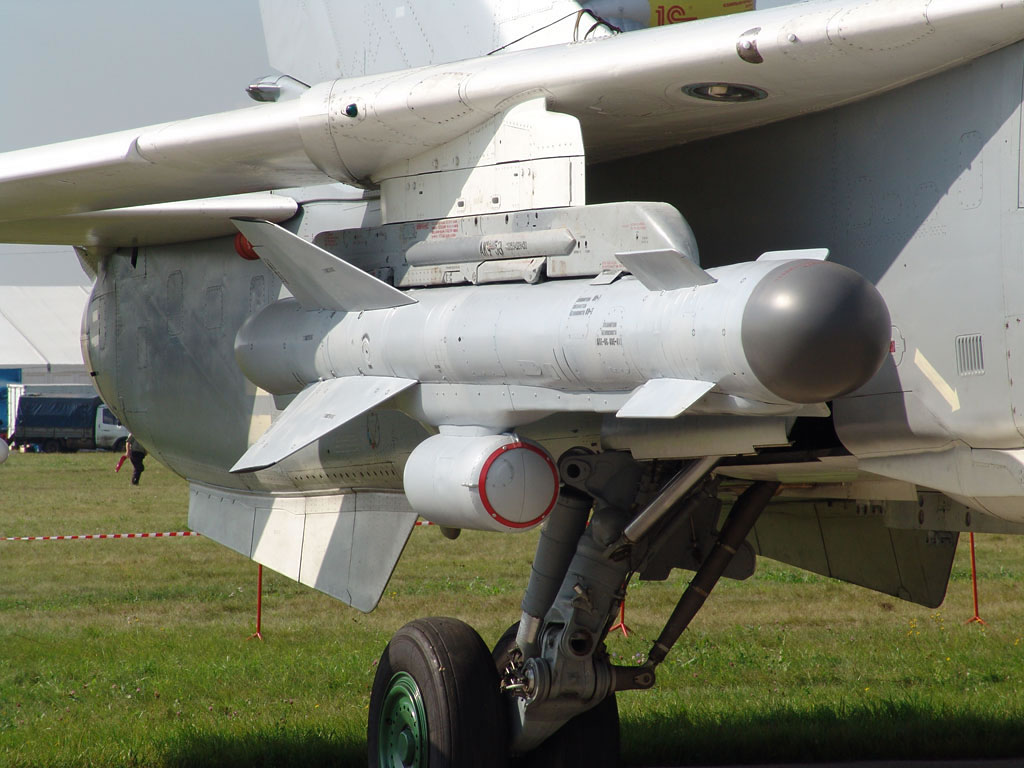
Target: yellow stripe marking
948	393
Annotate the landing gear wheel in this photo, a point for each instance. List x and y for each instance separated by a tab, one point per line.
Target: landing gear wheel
591	738
435	700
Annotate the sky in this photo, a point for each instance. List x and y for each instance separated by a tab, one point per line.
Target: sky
77	69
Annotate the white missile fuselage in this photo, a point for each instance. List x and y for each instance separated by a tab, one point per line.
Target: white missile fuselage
497	356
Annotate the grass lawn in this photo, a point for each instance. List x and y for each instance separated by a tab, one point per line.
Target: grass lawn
137	652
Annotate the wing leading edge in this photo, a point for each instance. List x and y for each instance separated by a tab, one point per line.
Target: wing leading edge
632	93
145	225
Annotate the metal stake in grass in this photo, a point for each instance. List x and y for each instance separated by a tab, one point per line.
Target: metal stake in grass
974	584
621	623
258	634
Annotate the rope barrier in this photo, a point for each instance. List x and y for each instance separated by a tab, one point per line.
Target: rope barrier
164	535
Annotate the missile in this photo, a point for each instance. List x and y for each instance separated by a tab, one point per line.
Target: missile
774	336
769	336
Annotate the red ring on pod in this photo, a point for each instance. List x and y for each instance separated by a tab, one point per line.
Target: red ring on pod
482	484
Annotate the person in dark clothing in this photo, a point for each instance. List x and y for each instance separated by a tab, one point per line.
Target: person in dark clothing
136	453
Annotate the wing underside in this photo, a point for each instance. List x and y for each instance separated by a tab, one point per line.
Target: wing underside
150	224
632	93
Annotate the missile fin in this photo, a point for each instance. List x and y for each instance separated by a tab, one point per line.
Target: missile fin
318	409
816	254
316	278
664	269
663	398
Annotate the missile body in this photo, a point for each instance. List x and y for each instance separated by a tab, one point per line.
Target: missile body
770	334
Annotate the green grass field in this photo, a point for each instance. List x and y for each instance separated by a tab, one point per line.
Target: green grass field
136	652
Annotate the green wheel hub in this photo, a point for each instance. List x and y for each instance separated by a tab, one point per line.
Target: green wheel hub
403	741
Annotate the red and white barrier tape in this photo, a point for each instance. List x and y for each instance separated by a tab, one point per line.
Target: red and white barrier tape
168	534
165	535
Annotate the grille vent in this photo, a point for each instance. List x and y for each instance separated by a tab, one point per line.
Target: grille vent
970	358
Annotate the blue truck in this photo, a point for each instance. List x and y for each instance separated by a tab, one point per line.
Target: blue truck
66	423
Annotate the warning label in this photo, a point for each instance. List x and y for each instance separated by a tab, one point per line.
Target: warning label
445	229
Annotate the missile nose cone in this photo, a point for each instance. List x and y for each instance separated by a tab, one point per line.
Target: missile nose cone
813	330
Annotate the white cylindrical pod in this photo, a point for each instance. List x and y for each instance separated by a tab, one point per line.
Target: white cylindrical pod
484	483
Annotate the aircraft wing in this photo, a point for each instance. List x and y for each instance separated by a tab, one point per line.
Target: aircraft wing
143	225
632	93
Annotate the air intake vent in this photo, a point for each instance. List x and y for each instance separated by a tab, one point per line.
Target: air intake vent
970	359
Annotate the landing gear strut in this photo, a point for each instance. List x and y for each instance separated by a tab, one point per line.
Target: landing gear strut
590	739
548	694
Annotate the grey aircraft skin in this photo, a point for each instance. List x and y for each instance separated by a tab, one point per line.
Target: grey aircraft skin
831	381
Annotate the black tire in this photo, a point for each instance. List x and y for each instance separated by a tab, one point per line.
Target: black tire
590	739
435	700
51	446
118	446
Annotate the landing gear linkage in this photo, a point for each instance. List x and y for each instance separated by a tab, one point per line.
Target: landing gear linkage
742	516
558	669
741	520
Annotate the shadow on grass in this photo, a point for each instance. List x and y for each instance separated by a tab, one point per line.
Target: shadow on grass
279	748
833	733
886	731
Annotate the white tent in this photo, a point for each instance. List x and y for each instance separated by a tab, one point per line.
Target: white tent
40	329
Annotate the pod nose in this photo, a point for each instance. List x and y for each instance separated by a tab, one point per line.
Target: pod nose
813	330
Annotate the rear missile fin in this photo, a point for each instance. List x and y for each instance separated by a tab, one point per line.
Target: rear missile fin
664	269
316	278
320	408
817	254
663	398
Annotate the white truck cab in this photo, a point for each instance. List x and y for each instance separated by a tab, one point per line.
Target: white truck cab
110	433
